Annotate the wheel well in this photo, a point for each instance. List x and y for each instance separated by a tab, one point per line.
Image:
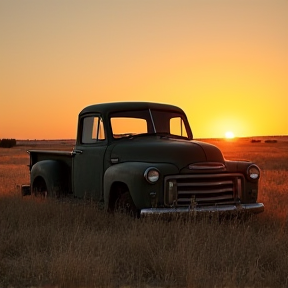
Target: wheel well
116	190
39	184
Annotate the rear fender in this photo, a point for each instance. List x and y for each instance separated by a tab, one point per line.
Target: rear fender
56	175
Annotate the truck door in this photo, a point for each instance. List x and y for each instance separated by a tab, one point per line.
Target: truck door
88	158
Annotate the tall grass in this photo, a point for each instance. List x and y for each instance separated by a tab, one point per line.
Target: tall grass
76	244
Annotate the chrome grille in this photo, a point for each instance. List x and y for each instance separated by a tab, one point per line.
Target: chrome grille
203	190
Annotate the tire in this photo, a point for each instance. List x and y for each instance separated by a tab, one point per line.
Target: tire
40	188
124	204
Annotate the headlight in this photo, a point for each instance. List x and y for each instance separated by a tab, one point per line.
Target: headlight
151	175
253	172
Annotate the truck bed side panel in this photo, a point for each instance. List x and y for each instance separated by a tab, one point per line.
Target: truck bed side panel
65	157
40	155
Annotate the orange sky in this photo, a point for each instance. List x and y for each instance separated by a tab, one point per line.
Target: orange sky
224	62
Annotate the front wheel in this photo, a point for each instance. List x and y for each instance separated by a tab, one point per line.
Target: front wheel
124	204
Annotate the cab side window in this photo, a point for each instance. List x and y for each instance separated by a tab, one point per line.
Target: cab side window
92	130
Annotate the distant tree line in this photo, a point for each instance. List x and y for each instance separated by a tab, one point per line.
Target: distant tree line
266	141
7	143
270	141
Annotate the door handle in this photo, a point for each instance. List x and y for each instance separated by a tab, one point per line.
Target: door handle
76	151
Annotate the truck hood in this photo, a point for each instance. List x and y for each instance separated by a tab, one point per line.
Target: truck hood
166	150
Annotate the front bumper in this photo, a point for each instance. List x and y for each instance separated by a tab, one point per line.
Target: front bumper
253	208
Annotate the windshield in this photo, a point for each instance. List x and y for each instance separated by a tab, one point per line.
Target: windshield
143	122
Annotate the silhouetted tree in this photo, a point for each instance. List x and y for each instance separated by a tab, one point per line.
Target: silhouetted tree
7	143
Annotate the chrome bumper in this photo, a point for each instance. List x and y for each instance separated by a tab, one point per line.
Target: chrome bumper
252	208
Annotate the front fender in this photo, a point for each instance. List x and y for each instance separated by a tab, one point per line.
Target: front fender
132	175
54	173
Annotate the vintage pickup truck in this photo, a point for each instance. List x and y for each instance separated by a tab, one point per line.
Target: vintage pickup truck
141	157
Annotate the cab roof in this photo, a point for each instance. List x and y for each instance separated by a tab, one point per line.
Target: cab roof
106	108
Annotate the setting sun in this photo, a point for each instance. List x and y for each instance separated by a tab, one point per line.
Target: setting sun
229	135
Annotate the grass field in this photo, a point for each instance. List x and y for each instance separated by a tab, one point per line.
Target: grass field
63	244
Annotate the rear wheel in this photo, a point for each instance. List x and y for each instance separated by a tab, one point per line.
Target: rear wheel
40	188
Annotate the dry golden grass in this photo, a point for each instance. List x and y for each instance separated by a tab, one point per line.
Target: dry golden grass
76	244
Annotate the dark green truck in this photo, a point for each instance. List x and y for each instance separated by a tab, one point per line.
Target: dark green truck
142	156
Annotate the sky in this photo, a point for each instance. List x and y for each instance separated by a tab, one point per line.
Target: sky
224	62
